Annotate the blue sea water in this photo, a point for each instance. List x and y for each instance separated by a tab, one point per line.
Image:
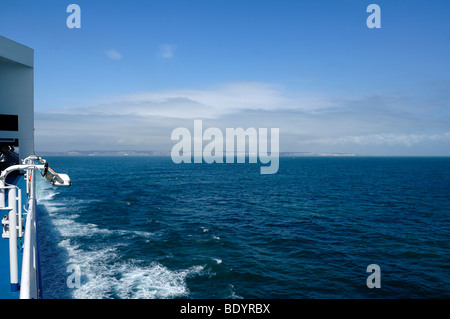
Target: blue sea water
144	227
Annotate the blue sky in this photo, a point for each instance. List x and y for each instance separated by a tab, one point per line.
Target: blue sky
136	70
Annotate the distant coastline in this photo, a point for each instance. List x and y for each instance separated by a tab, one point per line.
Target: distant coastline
134	153
167	153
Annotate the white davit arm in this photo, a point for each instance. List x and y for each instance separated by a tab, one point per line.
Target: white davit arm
58	179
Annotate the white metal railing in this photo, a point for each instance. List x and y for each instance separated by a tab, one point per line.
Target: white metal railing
29	288
13	223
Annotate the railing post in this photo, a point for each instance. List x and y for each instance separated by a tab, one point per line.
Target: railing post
13	262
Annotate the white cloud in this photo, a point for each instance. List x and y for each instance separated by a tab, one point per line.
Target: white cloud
113	54
166	51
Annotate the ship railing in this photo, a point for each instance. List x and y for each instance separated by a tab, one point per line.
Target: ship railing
13	223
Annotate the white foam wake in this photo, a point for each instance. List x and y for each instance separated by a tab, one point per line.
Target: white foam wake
126	281
103	273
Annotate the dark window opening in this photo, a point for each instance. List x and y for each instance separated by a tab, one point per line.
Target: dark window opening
9	122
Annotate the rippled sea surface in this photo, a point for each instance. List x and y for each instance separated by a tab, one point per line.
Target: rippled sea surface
148	228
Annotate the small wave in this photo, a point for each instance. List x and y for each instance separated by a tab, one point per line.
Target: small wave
154	282
69	227
137	233
45	192
233	294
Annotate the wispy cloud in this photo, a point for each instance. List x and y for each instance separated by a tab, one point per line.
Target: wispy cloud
379	139
166	51
113	54
190	104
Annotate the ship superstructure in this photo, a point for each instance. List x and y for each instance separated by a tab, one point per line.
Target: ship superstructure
19	166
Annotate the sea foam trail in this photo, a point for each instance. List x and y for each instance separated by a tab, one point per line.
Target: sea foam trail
103	274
